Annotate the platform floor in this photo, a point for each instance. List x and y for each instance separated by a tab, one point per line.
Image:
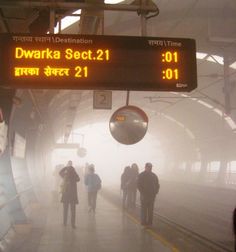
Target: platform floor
108	230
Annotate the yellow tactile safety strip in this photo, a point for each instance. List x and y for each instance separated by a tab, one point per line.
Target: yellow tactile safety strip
154	234
151	232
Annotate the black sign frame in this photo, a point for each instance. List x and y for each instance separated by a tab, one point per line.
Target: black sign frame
100	62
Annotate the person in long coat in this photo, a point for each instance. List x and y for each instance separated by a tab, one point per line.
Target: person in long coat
69	192
133	184
148	186
125	187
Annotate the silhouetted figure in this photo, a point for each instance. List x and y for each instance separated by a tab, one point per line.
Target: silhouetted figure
234	228
69	192
57	182
93	183
125	187
133	184
148	186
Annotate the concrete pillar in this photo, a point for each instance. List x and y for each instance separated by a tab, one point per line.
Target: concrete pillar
221	178
203	170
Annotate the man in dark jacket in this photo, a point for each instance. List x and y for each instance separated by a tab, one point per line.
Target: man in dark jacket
69	192
148	186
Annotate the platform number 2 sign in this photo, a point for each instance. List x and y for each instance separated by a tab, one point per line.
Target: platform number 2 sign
102	99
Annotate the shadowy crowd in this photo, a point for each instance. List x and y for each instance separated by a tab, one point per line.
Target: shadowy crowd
147	183
132	181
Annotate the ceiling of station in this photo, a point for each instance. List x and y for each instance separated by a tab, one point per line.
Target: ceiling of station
201	113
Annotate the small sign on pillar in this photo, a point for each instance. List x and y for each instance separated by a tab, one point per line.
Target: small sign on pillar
102	99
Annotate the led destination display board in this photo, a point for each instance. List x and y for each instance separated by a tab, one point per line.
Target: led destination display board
97	62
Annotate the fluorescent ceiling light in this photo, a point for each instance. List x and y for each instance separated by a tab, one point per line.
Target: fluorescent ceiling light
230	122
190	133
216	59
67	21
205	104
218	111
233	65
113	1
180	124
200	55
170	118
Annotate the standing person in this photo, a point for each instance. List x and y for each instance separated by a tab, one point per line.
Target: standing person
148	186
133	184
125	187
57	182
93	183
69	192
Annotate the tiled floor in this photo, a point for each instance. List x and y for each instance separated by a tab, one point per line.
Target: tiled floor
109	230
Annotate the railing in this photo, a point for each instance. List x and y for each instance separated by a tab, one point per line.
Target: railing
18	195
230	178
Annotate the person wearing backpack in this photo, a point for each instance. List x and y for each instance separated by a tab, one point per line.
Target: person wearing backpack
93	184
